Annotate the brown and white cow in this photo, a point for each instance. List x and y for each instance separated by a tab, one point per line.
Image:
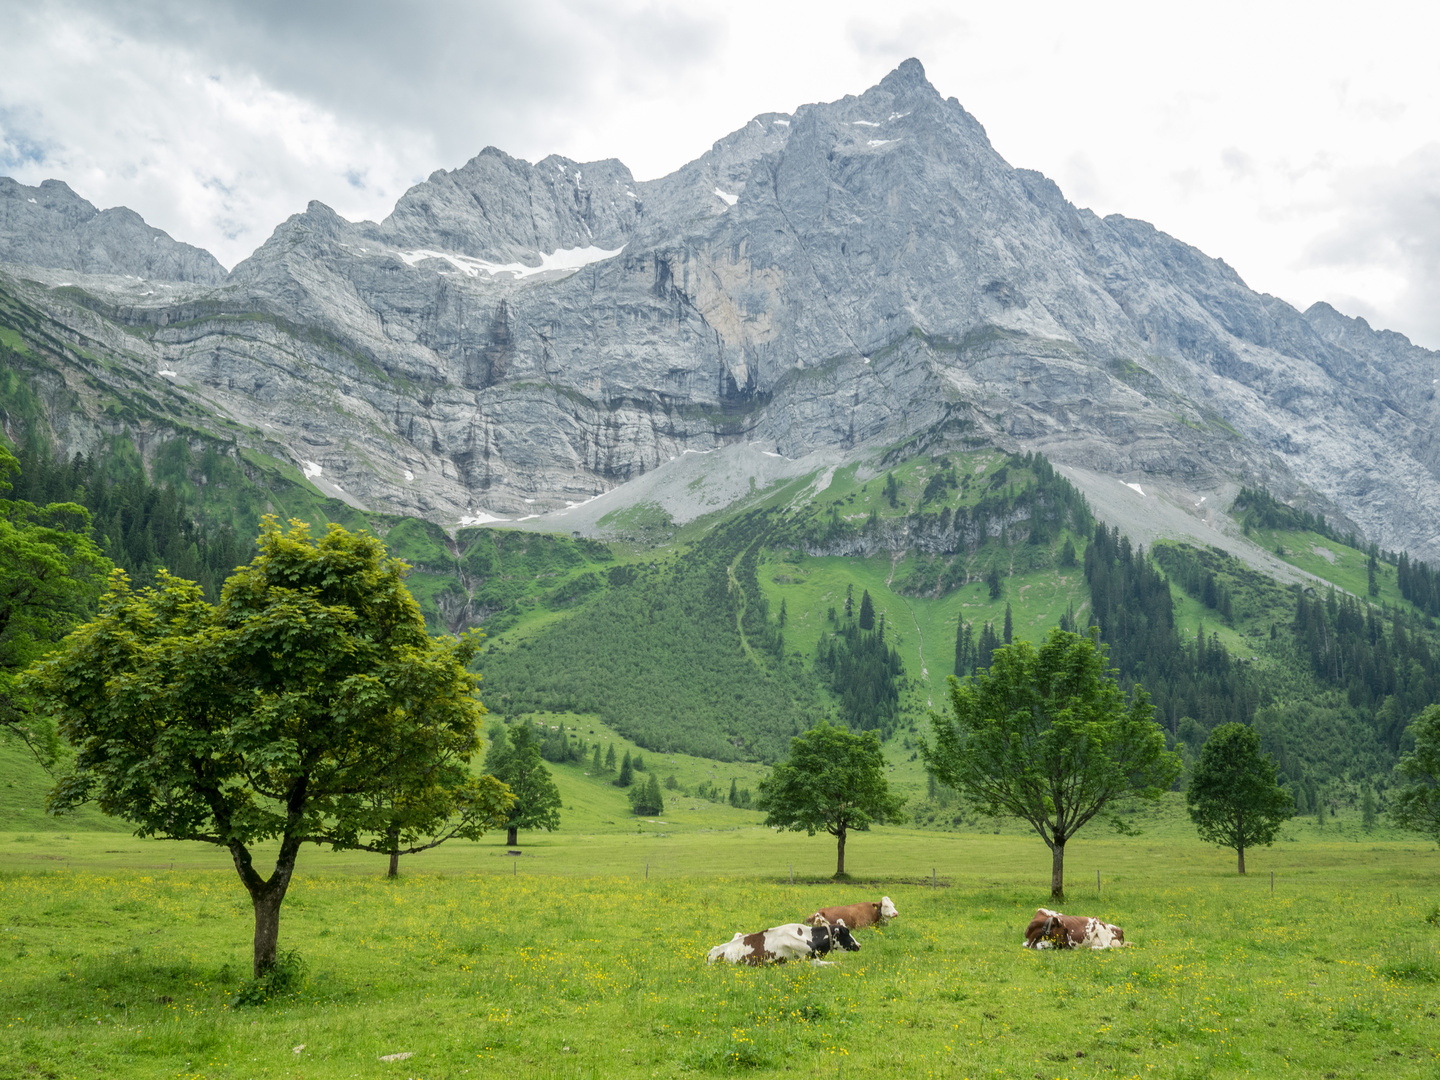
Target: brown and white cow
855	916
793	941
1051	930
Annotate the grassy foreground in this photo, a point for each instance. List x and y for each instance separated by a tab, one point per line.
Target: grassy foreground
555	964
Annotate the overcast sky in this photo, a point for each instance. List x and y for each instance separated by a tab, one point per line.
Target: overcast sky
1299	142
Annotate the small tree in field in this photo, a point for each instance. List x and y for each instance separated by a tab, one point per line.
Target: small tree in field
834	781
647	798
1232	797
308	706
514	758
1046	736
1415	799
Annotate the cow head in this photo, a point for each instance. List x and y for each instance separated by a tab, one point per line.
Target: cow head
887	909
842	937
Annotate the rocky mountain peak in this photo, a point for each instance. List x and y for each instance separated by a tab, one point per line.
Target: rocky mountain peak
51	226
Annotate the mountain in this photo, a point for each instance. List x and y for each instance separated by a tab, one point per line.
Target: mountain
514	338
51	226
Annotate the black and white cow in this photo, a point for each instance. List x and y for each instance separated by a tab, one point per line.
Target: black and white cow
793	941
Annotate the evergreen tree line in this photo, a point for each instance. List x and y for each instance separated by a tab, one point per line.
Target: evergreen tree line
1381	659
1131	603
973	652
1420	584
138	525
1261	510
864	672
1185	568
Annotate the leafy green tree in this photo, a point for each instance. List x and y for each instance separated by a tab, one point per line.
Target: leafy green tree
627	772
671	784
1068	555
834	781
308	706
867	611
1047	736
1415	799
515	760
1232	797
647	798
50	577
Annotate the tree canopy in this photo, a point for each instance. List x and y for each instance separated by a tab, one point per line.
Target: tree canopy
51	574
832	780
307	706
1415	799
1046	735
514	758
1233	798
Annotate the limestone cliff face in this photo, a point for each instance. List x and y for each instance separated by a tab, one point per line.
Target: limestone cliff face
514	336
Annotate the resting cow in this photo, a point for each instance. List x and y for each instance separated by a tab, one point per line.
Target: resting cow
1051	930
855	916
793	941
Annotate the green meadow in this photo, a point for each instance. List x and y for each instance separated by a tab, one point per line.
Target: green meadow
585	956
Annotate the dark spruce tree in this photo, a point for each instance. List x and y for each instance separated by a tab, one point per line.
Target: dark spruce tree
964	649
1008	634
867	611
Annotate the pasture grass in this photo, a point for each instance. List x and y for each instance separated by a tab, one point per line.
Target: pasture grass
569	962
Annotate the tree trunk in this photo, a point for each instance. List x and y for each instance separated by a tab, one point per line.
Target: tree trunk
393	836
394	864
266	896
1057	873
512	837
267	929
1241	850
840	853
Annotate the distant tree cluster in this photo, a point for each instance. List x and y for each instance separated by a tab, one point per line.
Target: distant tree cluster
1420	584
1184	567
138	525
1258	509
1131	603
1383	660
863	671
972	653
